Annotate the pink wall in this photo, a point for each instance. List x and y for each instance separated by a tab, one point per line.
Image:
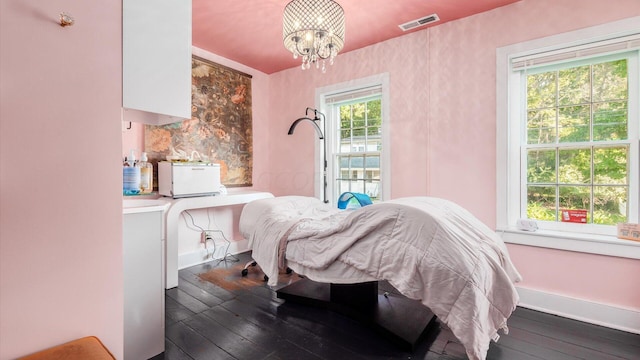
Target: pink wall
600	279
443	111
132	138
60	177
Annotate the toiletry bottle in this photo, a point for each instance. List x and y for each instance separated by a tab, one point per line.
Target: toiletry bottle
146	174
131	176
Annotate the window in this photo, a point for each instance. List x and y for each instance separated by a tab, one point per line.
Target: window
568	137
358	146
356	115
577	148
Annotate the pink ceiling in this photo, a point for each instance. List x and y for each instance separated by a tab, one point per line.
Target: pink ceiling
250	31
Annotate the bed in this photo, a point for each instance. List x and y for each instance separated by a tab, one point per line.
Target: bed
429	249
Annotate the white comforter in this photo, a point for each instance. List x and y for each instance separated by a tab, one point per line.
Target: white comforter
429	249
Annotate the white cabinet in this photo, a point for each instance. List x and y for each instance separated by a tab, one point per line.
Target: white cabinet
143	285
156	66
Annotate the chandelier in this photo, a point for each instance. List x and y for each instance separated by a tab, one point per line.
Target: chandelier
313	30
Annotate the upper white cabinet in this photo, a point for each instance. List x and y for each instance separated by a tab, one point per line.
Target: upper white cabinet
156	66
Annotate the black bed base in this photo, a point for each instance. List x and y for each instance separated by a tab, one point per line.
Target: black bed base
399	319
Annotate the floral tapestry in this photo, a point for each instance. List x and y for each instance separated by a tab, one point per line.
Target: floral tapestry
220	128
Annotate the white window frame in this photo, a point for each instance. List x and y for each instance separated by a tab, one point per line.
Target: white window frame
596	239
322	93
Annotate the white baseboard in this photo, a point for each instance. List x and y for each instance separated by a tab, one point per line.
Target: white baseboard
198	257
595	313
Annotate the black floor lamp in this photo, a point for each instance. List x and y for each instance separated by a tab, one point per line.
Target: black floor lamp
314	121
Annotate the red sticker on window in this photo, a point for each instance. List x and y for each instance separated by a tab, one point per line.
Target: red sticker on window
574	216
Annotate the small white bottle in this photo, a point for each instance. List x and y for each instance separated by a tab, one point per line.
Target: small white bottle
146	174
131	176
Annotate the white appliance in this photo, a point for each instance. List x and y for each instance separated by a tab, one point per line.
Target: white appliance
187	179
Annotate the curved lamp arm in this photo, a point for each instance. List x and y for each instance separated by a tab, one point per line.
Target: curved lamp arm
313	121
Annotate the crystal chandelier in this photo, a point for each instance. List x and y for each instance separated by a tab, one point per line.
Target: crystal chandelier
313	30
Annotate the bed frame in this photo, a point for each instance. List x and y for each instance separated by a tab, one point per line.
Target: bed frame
401	320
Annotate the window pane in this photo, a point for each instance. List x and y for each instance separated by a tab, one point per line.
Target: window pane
356	163
345	123
574	166
541	166
372	162
356	186
344	166
359	123
372	188
609	204
541	126
541	90
574	86
610	165
345	136
573	123
610	121
358	132
344	186
374	112
575	198
358	145
358	114
345	117
374	143
541	202
610	81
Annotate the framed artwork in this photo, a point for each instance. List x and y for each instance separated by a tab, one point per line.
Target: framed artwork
220	128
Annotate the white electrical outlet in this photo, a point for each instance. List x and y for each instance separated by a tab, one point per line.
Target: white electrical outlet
205	236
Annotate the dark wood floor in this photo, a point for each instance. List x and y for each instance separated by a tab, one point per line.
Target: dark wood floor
244	319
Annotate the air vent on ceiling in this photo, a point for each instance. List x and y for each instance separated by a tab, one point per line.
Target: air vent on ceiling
419	22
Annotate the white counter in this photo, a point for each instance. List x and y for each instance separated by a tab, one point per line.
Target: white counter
138	205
